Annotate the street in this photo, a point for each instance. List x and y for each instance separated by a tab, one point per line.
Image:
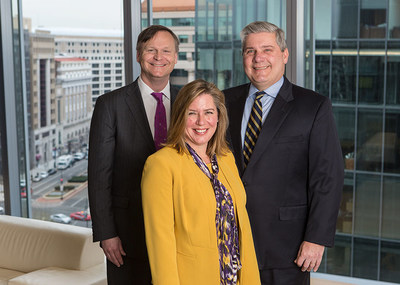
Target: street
42	208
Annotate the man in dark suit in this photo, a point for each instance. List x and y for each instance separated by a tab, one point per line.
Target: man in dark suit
121	138
289	159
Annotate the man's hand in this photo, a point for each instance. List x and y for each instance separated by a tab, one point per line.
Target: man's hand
309	256
113	250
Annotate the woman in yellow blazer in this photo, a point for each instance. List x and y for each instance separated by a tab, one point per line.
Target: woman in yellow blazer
194	204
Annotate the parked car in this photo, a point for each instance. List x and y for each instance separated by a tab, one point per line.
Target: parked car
60	218
52	171
79	156
80	215
37	177
43	174
2	211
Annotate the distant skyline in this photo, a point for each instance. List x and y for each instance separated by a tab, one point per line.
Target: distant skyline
82	14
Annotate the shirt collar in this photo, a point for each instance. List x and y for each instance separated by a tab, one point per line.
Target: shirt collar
147	90
272	91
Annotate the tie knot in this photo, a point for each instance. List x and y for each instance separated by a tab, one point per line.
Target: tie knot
158	96
259	95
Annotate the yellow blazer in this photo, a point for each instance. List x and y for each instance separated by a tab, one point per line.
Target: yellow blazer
179	209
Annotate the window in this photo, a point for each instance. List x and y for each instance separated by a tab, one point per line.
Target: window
182	56
183	39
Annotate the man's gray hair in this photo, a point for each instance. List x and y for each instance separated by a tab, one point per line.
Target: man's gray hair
262	27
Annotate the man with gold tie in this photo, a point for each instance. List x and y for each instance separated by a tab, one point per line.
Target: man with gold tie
289	157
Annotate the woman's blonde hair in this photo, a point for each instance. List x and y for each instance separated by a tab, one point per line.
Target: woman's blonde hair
176	133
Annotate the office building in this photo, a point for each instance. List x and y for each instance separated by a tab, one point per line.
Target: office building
102	49
353	57
74	103
42	97
179	16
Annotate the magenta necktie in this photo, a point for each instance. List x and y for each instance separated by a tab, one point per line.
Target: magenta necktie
160	122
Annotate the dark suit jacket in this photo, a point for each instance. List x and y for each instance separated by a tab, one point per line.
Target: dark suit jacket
295	175
120	142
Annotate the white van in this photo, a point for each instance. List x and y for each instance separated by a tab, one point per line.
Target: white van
64	161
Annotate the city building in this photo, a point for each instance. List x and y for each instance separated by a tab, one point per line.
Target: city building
104	51
179	16
353	57
74	103
43	97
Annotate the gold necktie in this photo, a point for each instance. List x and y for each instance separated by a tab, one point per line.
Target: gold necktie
253	128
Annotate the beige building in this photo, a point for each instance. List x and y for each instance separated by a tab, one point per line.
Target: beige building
103	49
43	101
60	100
179	16
73	101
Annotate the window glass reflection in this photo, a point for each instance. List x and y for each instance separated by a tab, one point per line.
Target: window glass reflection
322	63
373	19
390	208
339	256
205	20
392	142
390	262
24	184
394	19
344	75
345	216
224	24
209	8
345	14
369	140
224	66
323	20
365	258
345	122
371	75
367	205
205	64
393	73
239	77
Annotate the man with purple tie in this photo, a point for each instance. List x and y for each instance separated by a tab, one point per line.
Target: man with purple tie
128	125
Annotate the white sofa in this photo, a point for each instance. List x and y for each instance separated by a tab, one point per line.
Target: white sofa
34	252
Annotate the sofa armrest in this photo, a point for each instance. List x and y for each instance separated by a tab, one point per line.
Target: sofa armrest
27	245
95	275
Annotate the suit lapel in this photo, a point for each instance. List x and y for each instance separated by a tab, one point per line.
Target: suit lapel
135	103
173	91
277	115
235	121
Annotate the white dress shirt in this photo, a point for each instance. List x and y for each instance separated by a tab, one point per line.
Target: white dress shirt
267	100
150	103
